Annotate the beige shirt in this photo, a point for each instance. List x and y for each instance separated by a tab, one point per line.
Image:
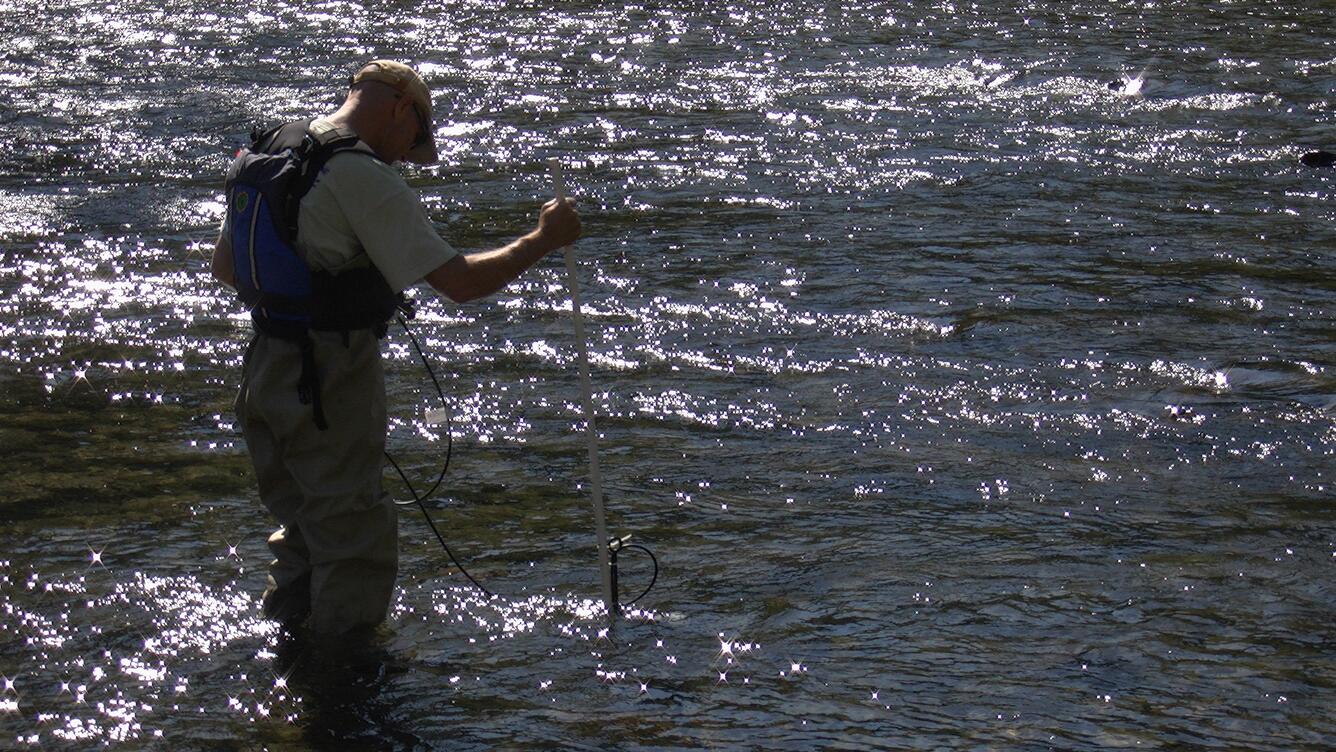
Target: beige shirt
359	203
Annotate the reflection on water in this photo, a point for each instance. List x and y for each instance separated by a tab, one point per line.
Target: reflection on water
967	396
130	658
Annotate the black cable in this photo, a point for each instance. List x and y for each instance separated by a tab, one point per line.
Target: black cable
445	466
432	525
652	579
449	433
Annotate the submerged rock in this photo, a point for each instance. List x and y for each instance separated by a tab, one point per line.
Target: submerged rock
1318	159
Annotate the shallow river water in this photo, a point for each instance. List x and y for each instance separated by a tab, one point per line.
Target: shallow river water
969	368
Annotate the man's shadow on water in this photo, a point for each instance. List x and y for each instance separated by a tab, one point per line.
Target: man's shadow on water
340	682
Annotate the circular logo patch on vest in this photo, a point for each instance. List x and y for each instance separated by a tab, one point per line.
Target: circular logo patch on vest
241	201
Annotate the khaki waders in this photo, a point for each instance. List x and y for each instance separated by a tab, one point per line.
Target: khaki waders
336	555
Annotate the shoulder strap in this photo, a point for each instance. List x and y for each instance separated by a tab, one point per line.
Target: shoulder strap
322	147
311	151
333	138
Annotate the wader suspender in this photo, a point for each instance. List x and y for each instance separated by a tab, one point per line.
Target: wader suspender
308	384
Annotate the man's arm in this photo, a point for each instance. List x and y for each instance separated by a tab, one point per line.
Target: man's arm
221	265
476	275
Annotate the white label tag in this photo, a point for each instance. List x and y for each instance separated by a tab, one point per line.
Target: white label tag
436	416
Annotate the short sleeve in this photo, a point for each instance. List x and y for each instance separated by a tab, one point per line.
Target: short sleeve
387	217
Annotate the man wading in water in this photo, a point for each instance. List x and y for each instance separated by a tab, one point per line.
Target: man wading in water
312	398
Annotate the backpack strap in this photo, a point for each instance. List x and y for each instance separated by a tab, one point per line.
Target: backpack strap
308	383
314	152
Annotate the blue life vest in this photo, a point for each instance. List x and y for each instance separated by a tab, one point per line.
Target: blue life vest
286	298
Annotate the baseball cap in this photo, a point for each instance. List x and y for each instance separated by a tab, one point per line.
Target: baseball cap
406	81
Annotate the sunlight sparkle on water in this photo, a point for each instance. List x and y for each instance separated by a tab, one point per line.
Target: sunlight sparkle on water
780	200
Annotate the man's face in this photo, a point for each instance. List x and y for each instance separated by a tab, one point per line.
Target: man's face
409	127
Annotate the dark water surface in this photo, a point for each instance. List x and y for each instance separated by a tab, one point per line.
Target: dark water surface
967	401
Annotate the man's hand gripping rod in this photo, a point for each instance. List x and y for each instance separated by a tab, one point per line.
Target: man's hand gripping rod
591	433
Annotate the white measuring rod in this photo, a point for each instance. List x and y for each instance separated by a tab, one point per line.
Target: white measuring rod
591	432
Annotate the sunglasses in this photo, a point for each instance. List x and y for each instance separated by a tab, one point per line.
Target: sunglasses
424	129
